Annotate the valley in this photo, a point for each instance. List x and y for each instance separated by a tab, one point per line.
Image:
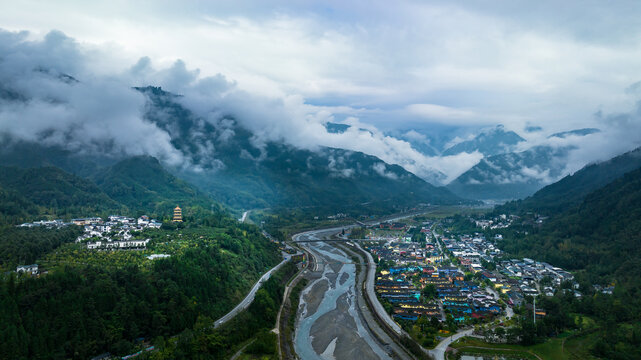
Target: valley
329	180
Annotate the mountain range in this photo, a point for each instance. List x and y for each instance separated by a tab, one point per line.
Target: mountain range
517	174
572	189
592	222
243	170
227	164
510	168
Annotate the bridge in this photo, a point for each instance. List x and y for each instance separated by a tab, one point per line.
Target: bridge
338	240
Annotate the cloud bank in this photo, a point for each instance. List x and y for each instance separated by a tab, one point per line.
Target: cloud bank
96	110
59	99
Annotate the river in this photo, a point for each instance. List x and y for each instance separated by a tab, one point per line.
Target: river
329	326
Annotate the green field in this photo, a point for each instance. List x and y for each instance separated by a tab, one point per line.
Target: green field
564	347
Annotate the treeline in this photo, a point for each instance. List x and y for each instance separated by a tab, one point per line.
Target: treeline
598	239
204	342
135	186
81	311
24	246
613	322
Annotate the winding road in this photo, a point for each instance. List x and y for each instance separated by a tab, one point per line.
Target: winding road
250	297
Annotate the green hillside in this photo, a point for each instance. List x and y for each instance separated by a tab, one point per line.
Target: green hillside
244	174
90	302
599	239
14	208
571	190
601	235
141	183
50	191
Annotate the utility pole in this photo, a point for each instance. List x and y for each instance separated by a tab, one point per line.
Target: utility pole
534	313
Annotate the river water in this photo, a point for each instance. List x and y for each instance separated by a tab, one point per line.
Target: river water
343	335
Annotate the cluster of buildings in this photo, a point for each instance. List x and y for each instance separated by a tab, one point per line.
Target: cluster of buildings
403	253
471	249
28	269
516	278
396	286
116	232
402	287
50	224
417	265
500	222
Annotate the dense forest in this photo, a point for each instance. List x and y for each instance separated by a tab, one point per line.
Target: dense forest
84	302
25	246
132	187
572	189
204	342
79	309
598	238
49	191
142	183
601	235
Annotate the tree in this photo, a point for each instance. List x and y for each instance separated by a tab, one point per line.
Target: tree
451	323
429	292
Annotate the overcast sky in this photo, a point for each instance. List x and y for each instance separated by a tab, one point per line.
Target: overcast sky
395	65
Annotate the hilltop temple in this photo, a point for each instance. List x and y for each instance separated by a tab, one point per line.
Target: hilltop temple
178	215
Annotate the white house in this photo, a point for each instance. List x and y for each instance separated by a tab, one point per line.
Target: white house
32	269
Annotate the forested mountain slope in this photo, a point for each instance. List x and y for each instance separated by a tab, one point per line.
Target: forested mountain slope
142	183
601	235
569	191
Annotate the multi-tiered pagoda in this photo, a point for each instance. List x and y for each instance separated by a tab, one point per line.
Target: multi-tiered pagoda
178	215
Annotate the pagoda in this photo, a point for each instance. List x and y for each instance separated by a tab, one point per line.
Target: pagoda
178	215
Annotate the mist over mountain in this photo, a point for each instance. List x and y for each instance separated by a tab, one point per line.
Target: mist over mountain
234	165
572	189
512	175
489	142
59	100
516	175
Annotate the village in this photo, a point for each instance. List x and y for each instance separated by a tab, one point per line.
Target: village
425	273
117	232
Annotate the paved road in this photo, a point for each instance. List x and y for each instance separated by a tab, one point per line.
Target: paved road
250	297
509	312
370	320
439	351
371	294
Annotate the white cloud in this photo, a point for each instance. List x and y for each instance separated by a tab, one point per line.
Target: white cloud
381	67
439	113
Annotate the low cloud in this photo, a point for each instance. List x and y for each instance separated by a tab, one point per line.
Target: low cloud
439	113
44	102
100	112
381	169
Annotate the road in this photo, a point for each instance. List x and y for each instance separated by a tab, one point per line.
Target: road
244	217
439	351
369	317
371	294
250	297
371	272
509	312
